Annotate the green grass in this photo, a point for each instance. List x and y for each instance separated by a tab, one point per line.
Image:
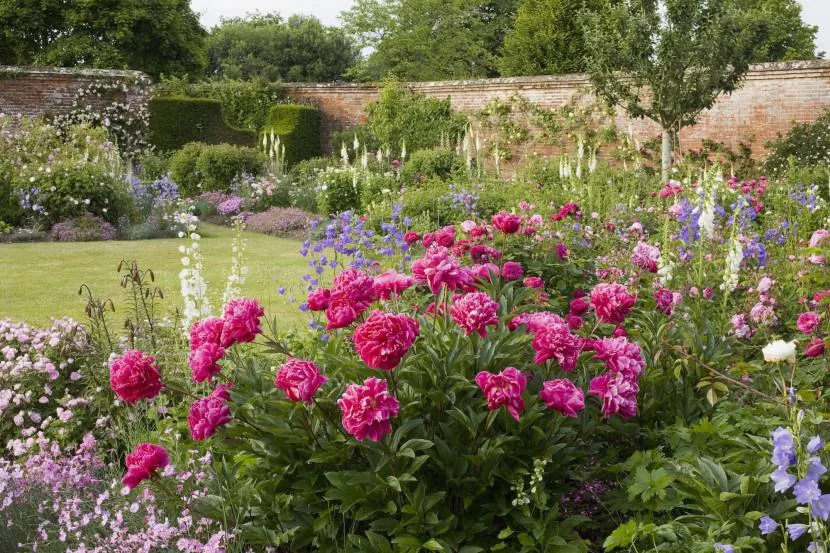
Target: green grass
41	280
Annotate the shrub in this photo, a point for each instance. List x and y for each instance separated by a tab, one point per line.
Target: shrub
176	121
426	164
86	228
152	165
339	191
807	145
298	127
278	221
202	167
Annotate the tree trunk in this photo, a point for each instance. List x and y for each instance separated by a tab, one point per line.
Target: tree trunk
668	145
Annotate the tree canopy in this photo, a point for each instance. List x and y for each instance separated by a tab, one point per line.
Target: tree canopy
299	48
155	36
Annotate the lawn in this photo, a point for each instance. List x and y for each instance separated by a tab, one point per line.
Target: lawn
41	280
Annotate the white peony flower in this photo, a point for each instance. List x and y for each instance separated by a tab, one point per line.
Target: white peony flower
778	351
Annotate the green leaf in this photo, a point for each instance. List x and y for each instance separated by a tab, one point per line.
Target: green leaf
432	545
623	536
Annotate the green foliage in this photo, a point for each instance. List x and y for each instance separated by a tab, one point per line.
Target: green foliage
806	145
298	49
152	166
403	117
339	191
201	167
245	104
785	35
175	121
154	36
428	40
427	164
547	38
298	128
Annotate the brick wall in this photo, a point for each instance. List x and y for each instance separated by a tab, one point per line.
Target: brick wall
772	97
50	91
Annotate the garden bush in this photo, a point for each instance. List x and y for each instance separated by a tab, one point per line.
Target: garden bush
201	167
338	190
298	127
806	145
176	121
435	163
86	228
279	221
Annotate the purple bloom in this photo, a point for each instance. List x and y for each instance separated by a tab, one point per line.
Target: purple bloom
783	450
806	491
821	507
724	548
767	525
815	444
783	480
796	530
815	469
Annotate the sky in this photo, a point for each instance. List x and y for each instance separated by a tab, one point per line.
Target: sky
815	12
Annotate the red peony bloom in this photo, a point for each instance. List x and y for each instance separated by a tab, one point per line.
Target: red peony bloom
366	409
318	300
814	348
341	313
299	380
533	282
439	268
143	462
665	300
384	339
411	237
512	271
504	388
203	361
474	312
508	223
562	251
611	302
392	283
575	322
429	239
481	253
620	356
445	236
535	321
134	376
563	396
352	294
569	208
618	395
555	341
579	306
807	322
206	331
241	321
208	414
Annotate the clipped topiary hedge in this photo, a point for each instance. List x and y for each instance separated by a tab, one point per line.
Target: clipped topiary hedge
176	121
198	167
298	127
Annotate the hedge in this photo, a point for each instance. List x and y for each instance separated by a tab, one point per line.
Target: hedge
201	167
176	121
298	127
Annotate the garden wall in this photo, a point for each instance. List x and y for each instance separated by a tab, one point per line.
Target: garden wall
36	91
773	96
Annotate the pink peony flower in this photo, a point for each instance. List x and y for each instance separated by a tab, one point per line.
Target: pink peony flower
366	409
299	380
392	283
445	236
533	282
620	356
818	237
807	322
555	341
569	208
318	300
504	388
484	272
203	361
507	222
535	321
411	237
646	256
428	239
579	306
206	331
575	322
563	396
241	321
618	395
439	268
143	462
814	348
341	313
816	259
562	252
763	315
352	294
611	302
739	327
384	339
474	312
208	414
512	271
481	253
134	376
765	284
665	300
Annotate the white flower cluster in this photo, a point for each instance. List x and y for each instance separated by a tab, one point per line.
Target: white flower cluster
193	285
239	271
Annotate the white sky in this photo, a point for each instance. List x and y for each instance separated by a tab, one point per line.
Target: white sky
815	12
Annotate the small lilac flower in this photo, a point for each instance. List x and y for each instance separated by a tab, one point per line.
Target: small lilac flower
806	491
767	525
783	480
796	530
783	451
724	548
815	444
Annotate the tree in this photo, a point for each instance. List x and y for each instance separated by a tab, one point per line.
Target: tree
266	46
420	40
547	38
155	36
667	60
786	36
